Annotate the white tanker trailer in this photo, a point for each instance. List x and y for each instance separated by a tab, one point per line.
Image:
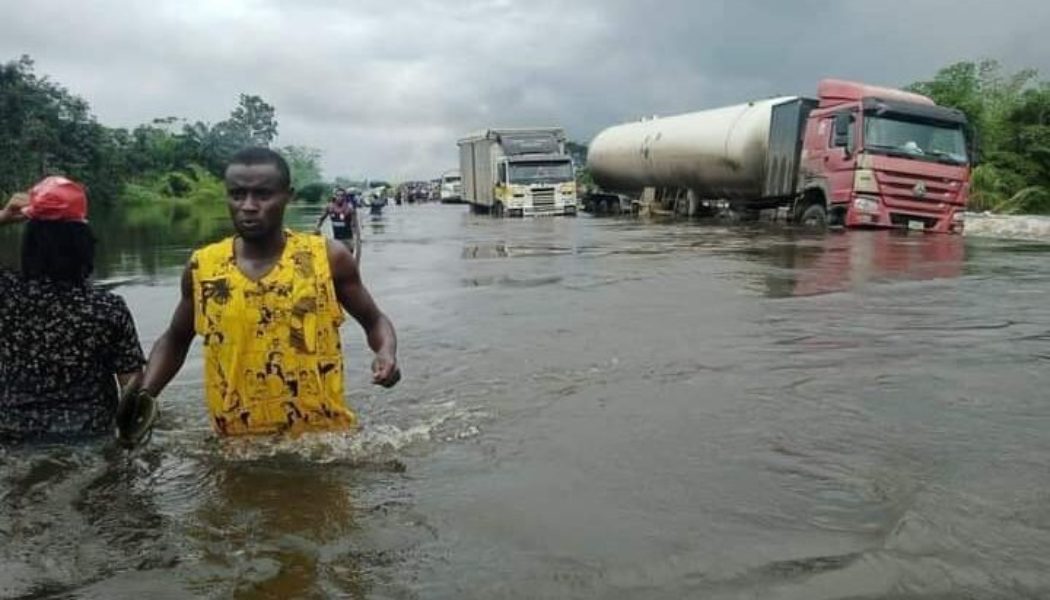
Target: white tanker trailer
718	153
855	155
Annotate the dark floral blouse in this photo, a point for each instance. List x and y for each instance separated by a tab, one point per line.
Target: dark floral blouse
61	347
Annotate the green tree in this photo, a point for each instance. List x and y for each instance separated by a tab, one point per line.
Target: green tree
46	130
304	163
206	145
253	122
1010	113
313	193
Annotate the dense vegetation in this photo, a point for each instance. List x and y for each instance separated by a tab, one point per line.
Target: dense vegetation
157	171
1010	113
161	169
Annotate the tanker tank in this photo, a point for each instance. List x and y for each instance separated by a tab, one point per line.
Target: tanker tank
720	153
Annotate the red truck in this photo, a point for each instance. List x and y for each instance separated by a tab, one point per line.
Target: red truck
856	155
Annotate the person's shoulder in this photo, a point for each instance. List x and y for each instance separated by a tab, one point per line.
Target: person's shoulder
109	308
211	252
222	245
304	237
105	300
105	296
306	243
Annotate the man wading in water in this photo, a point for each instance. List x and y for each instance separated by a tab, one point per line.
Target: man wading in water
268	303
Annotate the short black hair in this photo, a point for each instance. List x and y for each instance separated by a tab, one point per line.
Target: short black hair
260	155
58	250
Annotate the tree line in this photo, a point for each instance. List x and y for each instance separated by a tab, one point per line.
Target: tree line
44	129
1010	115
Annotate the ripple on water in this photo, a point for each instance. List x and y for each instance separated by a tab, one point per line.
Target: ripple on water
652	409
1025	227
195	514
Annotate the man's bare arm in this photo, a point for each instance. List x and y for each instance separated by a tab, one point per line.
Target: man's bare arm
354	297
169	351
355	222
324	215
11	213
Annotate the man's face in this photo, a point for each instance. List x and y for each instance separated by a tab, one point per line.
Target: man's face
256	199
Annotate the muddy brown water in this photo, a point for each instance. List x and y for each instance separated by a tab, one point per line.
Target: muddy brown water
595	408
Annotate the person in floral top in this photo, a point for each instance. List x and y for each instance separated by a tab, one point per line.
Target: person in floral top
65	346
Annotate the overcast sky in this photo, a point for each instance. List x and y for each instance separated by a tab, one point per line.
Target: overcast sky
384	88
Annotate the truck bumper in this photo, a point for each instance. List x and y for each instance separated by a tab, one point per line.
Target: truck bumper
948	220
530	211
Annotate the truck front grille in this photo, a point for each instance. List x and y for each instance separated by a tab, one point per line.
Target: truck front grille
543	199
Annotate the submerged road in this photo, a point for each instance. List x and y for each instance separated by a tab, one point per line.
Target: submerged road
599	408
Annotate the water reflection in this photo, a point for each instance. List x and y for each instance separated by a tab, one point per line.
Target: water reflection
485	250
722	445
152	240
92	520
74	514
278	528
376	224
811	265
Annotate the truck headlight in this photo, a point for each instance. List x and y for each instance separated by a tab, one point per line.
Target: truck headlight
866	205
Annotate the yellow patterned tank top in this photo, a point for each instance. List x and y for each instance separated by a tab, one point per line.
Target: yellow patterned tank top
272	357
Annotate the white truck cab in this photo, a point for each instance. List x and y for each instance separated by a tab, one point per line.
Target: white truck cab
518	172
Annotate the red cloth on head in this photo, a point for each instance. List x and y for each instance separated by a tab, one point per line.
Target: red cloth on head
57	199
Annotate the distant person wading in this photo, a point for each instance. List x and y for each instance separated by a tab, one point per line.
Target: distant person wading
346	228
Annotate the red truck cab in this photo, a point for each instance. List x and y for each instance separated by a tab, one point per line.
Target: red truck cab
880	157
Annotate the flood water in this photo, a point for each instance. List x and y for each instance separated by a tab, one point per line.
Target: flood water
595	408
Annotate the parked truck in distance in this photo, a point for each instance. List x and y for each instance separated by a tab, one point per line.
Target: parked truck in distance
450	189
518	172
856	155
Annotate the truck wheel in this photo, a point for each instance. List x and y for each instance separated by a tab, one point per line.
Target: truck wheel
814	215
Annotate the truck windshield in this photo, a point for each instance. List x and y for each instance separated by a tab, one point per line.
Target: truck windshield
913	138
540	172
452	180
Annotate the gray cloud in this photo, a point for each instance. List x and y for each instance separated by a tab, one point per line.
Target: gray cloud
385	88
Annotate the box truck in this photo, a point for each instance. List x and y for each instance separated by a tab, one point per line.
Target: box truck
518	172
